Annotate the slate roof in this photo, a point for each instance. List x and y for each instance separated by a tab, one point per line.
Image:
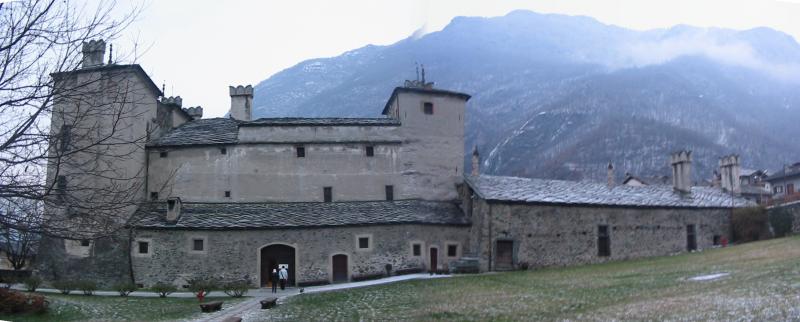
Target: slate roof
526	190
226	131
227	216
331	121
201	132
786	172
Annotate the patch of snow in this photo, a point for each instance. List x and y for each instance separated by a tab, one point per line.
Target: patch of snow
709	277
333	287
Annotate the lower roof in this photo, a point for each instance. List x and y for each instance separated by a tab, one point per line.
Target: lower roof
544	191
273	215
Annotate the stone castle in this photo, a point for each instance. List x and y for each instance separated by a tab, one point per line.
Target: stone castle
338	199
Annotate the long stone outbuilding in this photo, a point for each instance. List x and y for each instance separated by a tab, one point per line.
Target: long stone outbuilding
338	199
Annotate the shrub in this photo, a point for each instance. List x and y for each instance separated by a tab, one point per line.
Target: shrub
203	285
32	283
125	288
781	221
87	287
64	286
524	266
17	302
750	224
236	289
9	281
163	289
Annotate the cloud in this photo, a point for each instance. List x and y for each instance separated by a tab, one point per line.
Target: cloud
722	49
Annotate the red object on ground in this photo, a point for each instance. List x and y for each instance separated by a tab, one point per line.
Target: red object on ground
201	295
724	242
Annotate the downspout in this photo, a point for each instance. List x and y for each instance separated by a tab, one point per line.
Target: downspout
491	238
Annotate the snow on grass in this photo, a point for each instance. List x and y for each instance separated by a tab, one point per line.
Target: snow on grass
709	277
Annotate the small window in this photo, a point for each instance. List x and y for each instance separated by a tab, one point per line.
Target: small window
61	185
66	137
85	242
223	151
163	154
154	195
171	204
390	193
416	249
363	242
603	241
327	194
197	245
227	194
370	151
427	108
452	250
301	152
144	247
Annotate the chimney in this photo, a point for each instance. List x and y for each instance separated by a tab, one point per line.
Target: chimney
172	100
173	210
476	162
610	175
241	102
729	174
93	53
681	162
195	112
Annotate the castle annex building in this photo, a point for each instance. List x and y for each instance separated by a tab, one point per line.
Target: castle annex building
337	199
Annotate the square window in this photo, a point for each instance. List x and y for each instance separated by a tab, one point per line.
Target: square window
452	250
363	242
197	245
427	107
85	242
416	250
144	247
390	193
301	152
227	194
223	151
154	195
163	154
327	194
370	151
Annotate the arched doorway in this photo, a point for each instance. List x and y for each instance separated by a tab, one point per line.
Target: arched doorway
271	257
339	268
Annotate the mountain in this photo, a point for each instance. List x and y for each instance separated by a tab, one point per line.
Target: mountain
559	96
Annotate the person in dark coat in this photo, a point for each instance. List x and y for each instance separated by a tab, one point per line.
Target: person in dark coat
274	280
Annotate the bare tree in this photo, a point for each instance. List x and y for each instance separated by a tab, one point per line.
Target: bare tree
68	125
20	244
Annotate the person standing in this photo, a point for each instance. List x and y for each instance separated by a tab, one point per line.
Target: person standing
274	280
283	275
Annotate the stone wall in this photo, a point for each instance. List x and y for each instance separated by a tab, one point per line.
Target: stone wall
551	235
105	261
236	254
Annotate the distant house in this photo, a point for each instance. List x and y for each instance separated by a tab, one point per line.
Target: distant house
785	182
754	186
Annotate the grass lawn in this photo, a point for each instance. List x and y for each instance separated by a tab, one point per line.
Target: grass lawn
78	307
764	284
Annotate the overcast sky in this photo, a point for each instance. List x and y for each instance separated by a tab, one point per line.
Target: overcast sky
198	48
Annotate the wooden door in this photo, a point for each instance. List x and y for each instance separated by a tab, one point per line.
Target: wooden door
504	260
790	189
691	238
434	253
339	263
